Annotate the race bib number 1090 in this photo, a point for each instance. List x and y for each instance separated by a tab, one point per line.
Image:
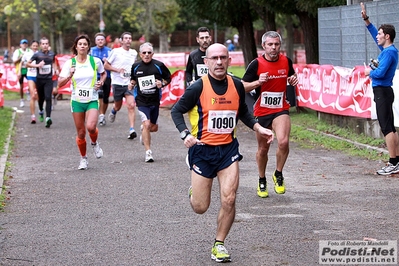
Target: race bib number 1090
222	122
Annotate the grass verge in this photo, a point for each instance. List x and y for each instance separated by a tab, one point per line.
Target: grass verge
5	122
302	122
300	133
6	114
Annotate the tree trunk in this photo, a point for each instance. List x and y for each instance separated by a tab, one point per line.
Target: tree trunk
36	21
60	43
268	17
247	41
289	42
309	25
270	21
246	35
163	42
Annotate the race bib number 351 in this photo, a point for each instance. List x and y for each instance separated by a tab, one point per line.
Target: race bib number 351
222	122
84	94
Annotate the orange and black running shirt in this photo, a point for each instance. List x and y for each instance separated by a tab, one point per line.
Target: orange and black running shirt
213	108
214	118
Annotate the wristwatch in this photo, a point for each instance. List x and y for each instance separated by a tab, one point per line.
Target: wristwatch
184	134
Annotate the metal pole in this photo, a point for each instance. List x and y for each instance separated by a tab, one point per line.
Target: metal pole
8	36
101	14
216	32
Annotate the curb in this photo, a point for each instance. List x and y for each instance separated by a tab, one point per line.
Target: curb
4	157
357	144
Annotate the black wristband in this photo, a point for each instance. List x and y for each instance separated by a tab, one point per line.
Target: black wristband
366	18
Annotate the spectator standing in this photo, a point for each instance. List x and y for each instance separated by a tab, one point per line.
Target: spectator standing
382	81
230	46
235	40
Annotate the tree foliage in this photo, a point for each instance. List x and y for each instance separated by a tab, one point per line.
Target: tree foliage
306	11
237	13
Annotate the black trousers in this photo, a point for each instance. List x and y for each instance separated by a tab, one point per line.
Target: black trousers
45	91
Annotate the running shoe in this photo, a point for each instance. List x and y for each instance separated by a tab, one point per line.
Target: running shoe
389	169
220	253
132	134
148	157
21	103
101	120
48	122
83	163
33	119
41	117
111	117
262	189
279	186
98	152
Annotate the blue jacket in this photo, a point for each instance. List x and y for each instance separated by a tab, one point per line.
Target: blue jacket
388	61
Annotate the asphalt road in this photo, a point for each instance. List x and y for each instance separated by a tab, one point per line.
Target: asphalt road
123	211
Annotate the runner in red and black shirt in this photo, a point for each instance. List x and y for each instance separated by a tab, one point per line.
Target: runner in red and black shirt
268	76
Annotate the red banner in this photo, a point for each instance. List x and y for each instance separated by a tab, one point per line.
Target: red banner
174	90
325	88
334	90
1	93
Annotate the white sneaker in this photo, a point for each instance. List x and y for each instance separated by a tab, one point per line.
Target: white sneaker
389	169
21	104
111	117
148	157
83	163
101	120
97	150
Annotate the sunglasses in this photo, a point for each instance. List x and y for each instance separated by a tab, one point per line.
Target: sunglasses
146	52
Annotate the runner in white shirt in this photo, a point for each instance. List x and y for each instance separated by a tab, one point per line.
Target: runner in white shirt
31	77
120	62
82	70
